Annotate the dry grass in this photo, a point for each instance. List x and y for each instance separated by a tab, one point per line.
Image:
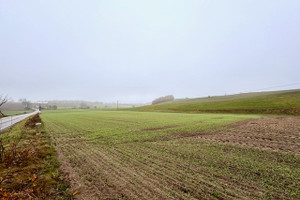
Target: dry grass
29	169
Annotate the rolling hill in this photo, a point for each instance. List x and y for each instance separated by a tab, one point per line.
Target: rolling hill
274	102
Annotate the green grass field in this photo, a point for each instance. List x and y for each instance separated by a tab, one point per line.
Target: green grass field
16	112
144	155
277	102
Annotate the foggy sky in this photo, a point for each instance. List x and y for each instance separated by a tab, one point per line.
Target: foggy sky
136	50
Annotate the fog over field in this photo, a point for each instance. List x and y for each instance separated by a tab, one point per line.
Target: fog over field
150	99
134	51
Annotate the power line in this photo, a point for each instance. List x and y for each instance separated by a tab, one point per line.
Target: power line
278	86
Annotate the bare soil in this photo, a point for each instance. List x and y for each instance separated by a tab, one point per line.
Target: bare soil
159	128
280	133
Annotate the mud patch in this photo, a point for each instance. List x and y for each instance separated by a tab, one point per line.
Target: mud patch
281	133
192	134
159	128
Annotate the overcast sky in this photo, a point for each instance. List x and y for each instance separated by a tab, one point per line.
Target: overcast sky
136	50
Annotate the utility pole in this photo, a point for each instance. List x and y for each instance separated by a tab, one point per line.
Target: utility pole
117	105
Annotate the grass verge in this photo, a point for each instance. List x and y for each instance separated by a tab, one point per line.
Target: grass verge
28	168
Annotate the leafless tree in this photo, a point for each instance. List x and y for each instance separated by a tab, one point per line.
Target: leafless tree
3	100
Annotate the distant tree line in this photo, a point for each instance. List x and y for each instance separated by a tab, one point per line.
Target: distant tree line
27	104
84	105
52	107
80	104
163	99
7	104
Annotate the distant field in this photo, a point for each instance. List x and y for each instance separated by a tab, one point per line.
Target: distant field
16	112
144	155
278	102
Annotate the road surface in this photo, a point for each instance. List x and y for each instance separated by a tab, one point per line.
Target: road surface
7	122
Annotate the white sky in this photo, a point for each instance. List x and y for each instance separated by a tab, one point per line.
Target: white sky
136	50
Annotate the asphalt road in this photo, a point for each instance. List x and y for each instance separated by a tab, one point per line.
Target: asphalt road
7	122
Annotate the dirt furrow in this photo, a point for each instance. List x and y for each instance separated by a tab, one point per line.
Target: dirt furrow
102	182
272	133
116	168
168	166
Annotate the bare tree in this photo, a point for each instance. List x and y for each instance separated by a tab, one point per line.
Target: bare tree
3	100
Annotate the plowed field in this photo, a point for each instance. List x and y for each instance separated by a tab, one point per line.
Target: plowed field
134	155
